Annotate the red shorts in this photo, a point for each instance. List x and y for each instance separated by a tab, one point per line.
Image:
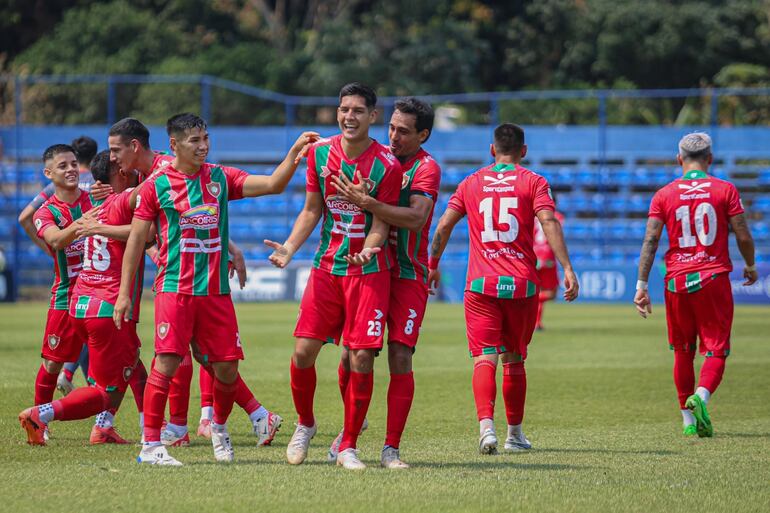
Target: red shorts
209	321
60	342
706	314
549	278
495	326
355	307
112	352
406	311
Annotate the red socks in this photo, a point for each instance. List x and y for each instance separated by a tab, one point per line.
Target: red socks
343	377
303	383
179	392
514	391
206	382
137	384
400	395
45	386
155	394
244	397
359	395
224	398
484	388
81	403
711	373
684	375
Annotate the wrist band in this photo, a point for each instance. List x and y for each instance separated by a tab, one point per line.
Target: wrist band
641	285
750	268
432	263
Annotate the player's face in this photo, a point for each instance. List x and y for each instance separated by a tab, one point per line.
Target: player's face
193	147
123	154
354	118
405	140
63	171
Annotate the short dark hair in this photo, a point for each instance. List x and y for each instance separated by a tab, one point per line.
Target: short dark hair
359	89
509	139
101	167
421	110
56	149
181	123
85	149
130	128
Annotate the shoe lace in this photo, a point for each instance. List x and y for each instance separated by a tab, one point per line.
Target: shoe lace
301	435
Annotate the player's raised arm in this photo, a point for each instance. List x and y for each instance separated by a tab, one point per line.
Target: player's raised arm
26	221
437	246
303	227
134	251
745	246
555	236
646	258
260	185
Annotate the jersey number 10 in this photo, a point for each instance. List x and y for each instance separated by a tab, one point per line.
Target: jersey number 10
702	212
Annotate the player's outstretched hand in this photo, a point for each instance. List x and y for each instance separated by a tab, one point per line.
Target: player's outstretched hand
751	277
571	285
355	193
434	278
642	302
362	258
238	266
100	190
281	255
302	145
122	310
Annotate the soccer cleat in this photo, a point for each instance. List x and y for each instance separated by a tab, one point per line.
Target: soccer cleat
296	451
266	428
703	422
204	428
488	442
35	428
223	447
517	443
47	434
157	455
390	458
108	435
690	430
64	385
171	439
334	448
349	459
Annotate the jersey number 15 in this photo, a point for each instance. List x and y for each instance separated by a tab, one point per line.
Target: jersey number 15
504	216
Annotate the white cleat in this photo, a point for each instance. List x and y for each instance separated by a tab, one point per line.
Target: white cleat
156	455
223	448
171	439
517	443
266	428
349	459
64	385
334	448
390	458
46	434
296	451
488	442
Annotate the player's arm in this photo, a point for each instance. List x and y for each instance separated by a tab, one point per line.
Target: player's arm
646	258
275	183
746	246
378	234
92	226
555	236
26	222
133	252
444	229
412	218
238	263
303	227
60	238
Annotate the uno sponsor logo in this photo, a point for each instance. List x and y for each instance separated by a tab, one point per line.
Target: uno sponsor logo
53	341
202	217
337	205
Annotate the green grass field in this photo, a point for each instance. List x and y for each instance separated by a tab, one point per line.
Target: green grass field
601	414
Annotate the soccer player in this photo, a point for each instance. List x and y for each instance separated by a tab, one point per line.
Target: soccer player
546	268
697	210
57	223
410	126
501	202
348	289
114	354
188	201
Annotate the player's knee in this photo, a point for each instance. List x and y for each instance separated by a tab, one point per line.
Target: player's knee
226	372
305	352
362	360
399	358
52	367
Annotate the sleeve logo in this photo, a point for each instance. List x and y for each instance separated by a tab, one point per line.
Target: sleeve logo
38	223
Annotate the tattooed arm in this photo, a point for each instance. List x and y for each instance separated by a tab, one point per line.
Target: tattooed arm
440	239
745	246
646	258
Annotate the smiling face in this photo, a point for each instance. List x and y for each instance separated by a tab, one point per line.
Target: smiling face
62	169
404	138
354	118
192	147
124	153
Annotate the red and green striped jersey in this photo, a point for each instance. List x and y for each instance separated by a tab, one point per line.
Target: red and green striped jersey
190	213
98	285
67	261
422	175
501	202
345	226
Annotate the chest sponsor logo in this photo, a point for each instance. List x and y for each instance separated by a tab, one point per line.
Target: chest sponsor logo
338	206
202	217
75	249
53	341
214	188
163	329
499	183
695	190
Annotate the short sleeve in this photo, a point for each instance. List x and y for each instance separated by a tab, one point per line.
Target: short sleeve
734	203
118	209
427	179
311	176
389	189
542	198
43	219
147	205
656	207
457	201
235	178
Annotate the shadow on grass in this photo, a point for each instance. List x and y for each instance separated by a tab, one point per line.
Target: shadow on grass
742	435
656	452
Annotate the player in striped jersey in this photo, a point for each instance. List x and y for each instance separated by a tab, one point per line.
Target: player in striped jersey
348	290
501	202
410	126
188	201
